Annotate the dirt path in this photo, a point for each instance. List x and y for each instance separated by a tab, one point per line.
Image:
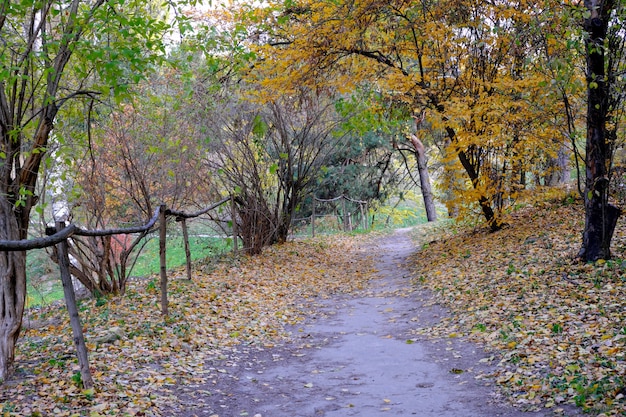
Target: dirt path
357	357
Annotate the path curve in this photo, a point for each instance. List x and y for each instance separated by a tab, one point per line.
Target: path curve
357	357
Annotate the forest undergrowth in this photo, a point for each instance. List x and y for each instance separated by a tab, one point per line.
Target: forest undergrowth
555	326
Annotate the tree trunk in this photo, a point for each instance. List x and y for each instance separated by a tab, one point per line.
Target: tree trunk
163	260
560	169
13	295
14	221
422	168
257	228
483	201
600	216
450	181
285	215
471	169
233	216
183	225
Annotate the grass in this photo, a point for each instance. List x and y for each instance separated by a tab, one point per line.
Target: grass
43	281
200	247
36	296
44	284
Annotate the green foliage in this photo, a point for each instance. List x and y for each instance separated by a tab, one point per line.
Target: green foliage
77	379
260	127
368	166
404	210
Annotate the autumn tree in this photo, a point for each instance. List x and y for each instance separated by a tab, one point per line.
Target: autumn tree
141	155
50	50
467	64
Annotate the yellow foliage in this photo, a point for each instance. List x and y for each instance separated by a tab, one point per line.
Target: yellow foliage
479	68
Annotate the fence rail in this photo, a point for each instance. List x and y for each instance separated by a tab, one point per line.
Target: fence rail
346	214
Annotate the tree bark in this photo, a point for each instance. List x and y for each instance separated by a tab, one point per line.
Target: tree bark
18	180
422	168
600	216
559	168
13	287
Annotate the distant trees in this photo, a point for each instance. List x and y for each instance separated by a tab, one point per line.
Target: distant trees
366	167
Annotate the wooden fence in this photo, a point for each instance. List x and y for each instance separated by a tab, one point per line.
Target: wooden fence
63	232
347	217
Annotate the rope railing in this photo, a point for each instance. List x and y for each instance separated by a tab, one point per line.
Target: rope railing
61	233
183	215
347	222
321	200
68	231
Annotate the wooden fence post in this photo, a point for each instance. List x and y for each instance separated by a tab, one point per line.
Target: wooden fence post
233	216
313	219
364	213
163	261
183	224
345	215
70	302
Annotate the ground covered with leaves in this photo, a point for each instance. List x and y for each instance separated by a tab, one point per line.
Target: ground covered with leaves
136	354
556	326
